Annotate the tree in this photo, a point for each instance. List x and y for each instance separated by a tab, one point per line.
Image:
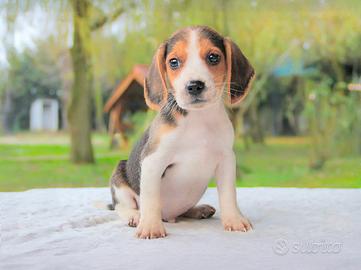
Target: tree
79	113
86	18
80	104
32	74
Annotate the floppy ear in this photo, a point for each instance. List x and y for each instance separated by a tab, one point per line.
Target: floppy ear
240	73
155	88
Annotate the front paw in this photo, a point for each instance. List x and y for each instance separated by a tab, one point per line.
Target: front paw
236	223
149	229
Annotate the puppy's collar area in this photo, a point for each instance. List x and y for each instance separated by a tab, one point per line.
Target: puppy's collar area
171	110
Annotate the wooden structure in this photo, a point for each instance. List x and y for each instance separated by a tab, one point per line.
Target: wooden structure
127	98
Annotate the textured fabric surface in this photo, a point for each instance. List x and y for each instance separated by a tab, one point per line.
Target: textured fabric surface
293	229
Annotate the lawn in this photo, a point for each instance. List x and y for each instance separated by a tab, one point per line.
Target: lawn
41	160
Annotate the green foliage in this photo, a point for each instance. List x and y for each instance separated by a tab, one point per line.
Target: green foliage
334	120
31	75
41	161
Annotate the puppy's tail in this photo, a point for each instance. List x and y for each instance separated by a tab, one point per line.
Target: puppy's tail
118	177
103	205
110	207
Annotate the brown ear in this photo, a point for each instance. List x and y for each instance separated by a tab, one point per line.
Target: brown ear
155	88
240	73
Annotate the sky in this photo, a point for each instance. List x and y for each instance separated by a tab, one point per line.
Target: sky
39	23
20	34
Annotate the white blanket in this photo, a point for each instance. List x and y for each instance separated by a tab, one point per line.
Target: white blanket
293	229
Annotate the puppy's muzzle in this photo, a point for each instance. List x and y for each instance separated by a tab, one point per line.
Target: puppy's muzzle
195	88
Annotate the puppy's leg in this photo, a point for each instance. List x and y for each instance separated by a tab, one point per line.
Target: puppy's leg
123	196
200	212
231	216
151	225
126	206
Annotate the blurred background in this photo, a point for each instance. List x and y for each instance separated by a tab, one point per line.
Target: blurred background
71	87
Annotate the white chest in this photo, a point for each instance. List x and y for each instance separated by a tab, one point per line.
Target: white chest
196	148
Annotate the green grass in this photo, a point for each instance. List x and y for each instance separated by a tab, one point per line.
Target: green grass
25	163
287	165
41	161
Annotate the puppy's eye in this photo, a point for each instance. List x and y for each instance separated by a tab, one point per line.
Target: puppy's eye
213	59
174	63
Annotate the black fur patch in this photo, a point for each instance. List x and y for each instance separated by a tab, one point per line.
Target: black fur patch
118	177
153	97
204	32
111	207
133	169
169	109
242	73
214	37
169	44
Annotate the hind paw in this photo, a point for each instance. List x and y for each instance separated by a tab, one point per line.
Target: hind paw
133	220
200	212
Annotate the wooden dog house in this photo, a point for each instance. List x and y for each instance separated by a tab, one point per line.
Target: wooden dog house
127	98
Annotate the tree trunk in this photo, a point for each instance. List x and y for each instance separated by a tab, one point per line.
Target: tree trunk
98	100
79	112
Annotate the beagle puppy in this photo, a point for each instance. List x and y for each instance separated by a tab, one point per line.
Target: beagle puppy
191	139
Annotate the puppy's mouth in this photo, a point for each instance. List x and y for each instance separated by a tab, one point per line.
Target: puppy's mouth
198	101
196	104
201	101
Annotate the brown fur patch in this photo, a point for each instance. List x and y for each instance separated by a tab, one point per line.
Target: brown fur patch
158	130
163	129
155	88
178	115
240	73
179	51
218	71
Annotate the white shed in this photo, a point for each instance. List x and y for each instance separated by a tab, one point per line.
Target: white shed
44	115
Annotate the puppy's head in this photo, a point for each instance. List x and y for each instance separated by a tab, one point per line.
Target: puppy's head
197	66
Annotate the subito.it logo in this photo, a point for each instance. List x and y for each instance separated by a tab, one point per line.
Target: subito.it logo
280	247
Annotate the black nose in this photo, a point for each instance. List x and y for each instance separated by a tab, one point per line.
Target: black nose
195	87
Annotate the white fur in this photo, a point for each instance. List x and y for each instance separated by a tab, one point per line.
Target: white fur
194	68
127	204
197	147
